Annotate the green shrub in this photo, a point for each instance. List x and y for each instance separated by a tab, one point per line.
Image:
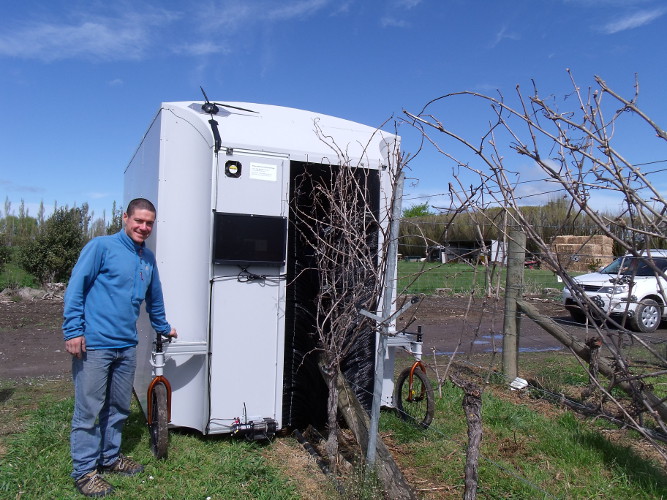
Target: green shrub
52	255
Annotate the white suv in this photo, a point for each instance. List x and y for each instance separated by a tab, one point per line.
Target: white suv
628	286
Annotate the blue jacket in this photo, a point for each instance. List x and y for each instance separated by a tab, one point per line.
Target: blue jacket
111	279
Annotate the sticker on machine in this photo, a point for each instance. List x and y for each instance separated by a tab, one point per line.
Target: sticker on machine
264	172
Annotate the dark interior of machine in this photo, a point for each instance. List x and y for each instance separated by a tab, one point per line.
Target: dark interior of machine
304	390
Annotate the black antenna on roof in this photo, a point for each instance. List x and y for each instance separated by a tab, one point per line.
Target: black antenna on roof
208	107
212	107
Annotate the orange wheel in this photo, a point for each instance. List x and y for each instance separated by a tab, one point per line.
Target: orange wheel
414	398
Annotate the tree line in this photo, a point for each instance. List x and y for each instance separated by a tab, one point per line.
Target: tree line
48	247
422	226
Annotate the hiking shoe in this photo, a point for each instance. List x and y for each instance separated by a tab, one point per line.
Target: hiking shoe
124	466
93	485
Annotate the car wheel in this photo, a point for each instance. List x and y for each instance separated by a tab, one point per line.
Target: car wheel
647	316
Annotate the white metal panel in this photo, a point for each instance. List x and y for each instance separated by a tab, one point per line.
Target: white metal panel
389	152
173	168
260	189
247	343
248	317
141	174
183	254
140	181
183	243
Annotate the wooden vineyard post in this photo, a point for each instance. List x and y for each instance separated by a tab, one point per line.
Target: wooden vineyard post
516	256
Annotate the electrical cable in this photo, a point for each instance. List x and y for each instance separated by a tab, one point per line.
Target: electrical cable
246	276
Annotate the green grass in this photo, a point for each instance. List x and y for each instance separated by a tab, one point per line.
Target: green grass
12	276
426	277
37	463
525	454
530	449
561	373
555	371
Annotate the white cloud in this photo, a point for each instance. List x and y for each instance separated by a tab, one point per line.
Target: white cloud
504	34
200	48
239	14
394	17
116	82
600	3
407	4
224	19
343	7
291	10
392	22
130	33
633	21
91	37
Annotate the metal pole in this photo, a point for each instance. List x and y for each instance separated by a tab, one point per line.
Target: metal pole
516	257
387	299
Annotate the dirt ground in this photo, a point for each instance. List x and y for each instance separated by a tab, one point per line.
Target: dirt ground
32	344
475	324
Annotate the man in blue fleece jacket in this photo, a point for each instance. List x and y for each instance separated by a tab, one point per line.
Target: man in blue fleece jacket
112	278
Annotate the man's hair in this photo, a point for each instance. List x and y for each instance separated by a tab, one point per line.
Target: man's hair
139	204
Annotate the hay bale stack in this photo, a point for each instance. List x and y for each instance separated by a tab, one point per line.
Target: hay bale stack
583	253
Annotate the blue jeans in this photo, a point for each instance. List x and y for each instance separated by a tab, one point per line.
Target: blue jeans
103	380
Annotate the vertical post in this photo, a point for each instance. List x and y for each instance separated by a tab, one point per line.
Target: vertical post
387	299
516	257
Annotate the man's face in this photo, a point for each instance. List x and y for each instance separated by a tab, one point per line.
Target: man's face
139	225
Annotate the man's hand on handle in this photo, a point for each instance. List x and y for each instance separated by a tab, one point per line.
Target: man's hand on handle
77	345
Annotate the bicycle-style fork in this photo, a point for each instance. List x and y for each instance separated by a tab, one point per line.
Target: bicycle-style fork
413	392
416	351
158	412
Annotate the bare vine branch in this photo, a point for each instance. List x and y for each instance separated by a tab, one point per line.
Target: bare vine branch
576	150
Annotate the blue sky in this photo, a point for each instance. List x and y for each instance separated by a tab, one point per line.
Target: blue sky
81	80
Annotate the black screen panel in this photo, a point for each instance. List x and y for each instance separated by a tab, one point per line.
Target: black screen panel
245	239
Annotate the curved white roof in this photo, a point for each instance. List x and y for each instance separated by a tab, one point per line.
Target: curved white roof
303	135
